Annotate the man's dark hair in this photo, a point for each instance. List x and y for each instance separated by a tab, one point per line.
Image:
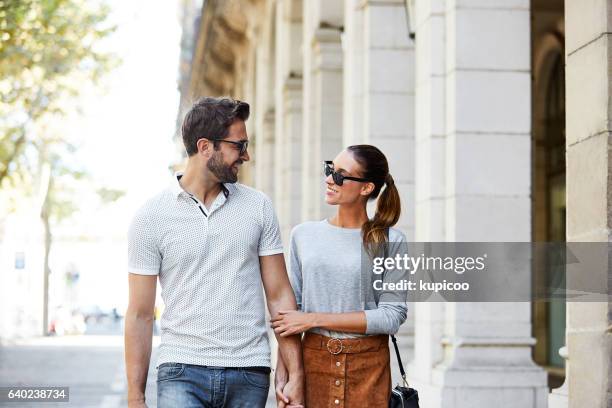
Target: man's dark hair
211	118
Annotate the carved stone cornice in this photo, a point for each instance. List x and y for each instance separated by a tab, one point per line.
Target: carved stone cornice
220	45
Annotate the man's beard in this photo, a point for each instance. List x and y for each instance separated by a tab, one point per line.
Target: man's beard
222	171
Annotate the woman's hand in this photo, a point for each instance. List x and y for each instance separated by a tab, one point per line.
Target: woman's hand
290	322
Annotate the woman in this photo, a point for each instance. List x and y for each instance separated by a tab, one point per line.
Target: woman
345	348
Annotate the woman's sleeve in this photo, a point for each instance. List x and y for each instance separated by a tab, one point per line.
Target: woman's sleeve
295	271
386	318
391	311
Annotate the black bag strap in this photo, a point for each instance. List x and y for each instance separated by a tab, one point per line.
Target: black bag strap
395	346
399	358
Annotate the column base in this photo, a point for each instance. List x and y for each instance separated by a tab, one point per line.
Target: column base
558	398
500	387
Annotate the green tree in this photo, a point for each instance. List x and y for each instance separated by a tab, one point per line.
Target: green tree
58	179
48	53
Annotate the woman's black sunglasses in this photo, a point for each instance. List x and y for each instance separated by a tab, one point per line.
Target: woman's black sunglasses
328	166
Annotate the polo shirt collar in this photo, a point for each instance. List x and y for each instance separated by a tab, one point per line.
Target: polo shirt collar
176	188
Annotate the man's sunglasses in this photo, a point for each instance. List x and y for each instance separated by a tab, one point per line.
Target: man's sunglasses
338	178
243	145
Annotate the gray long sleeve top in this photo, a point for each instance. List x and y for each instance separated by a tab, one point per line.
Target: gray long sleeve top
325	263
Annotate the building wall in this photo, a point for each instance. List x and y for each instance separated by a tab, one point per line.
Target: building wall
588	68
453	111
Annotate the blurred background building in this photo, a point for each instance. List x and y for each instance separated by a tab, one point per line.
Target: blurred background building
495	116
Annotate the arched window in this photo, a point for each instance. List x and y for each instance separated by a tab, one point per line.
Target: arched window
549	195
555	193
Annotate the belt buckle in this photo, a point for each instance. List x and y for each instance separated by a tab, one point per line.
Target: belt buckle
339	342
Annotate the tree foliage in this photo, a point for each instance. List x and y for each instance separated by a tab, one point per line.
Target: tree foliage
48	53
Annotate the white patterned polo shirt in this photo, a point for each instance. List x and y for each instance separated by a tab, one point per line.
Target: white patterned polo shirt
208	266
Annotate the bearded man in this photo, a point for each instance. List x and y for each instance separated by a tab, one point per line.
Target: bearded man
214	244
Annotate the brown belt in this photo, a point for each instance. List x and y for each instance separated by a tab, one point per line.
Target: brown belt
353	345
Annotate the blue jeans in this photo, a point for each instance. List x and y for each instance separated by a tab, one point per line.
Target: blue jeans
188	386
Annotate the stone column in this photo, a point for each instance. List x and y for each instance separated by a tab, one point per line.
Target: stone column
292	95
487	346
322	122
288	95
379	90
264	112
379	104
353	47
589	199
430	161
264	149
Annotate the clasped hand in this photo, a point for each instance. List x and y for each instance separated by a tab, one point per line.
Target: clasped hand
290	322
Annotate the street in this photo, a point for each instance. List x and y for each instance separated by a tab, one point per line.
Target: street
91	365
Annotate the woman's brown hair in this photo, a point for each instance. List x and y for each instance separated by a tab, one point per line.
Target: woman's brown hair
375	168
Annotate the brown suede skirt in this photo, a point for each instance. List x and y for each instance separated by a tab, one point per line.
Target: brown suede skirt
346	372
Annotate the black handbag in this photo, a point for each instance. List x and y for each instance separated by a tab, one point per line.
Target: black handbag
402	396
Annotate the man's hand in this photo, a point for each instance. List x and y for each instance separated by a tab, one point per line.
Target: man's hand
289	393
294	391
280	380
286	394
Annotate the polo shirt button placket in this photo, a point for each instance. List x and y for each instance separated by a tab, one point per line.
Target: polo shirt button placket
200	206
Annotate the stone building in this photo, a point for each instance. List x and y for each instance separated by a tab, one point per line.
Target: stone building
495	115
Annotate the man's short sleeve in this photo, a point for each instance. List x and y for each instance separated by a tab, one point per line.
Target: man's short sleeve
270	242
144	257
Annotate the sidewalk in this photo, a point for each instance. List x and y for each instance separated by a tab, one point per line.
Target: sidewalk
92	366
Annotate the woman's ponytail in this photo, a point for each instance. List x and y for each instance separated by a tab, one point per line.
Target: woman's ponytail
388	207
